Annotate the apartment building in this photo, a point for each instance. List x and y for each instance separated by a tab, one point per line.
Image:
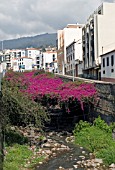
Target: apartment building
22	64
73	57
36	56
98	38
108	66
72	32
50	61
17	53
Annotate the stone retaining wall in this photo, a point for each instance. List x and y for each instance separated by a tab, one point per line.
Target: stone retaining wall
106	92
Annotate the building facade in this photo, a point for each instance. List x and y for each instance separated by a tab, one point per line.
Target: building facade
22	64
98	38
72	32
73	57
108	66
50	61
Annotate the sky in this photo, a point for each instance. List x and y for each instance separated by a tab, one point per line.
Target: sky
20	18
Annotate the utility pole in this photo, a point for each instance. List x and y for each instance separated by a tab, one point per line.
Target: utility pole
1	129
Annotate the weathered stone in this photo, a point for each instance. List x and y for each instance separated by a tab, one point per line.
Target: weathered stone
92	156
112	165
75	166
48	152
98	160
83	152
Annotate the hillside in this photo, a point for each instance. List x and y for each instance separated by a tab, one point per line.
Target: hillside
42	40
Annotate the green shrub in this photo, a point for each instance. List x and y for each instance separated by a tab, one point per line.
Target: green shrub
97	138
81	125
13	137
21	110
98	122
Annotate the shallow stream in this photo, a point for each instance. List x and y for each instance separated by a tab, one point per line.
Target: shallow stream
66	159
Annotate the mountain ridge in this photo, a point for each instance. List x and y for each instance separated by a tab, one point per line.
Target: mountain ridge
37	41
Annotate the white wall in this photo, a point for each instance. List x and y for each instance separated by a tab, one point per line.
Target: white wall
48	58
108	69
71	34
32	53
105	34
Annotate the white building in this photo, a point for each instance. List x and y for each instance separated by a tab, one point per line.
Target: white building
17	53
72	32
108	66
50	61
73	57
98	38
22	64
36	56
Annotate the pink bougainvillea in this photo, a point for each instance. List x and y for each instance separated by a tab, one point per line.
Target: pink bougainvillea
40	85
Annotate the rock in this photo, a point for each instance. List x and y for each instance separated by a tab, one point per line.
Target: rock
70	139
83	152
57	145
13	128
47	145
112	165
92	156
79	162
54	154
98	160
61	168
94	164
82	157
53	149
48	152
63	146
81	147
40	163
75	166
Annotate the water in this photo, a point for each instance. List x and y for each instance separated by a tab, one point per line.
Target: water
65	159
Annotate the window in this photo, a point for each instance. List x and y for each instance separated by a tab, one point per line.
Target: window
46	64
112	70
112	60
73	56
99	12
71	66
103	62
107	61
103	71
53	57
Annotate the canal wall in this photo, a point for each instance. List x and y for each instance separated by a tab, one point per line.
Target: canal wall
105	106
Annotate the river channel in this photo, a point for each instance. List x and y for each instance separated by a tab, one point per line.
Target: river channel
66	159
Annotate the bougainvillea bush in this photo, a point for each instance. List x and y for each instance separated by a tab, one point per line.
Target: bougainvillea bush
43	88
18	108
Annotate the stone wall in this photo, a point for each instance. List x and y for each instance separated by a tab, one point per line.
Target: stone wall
106	92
